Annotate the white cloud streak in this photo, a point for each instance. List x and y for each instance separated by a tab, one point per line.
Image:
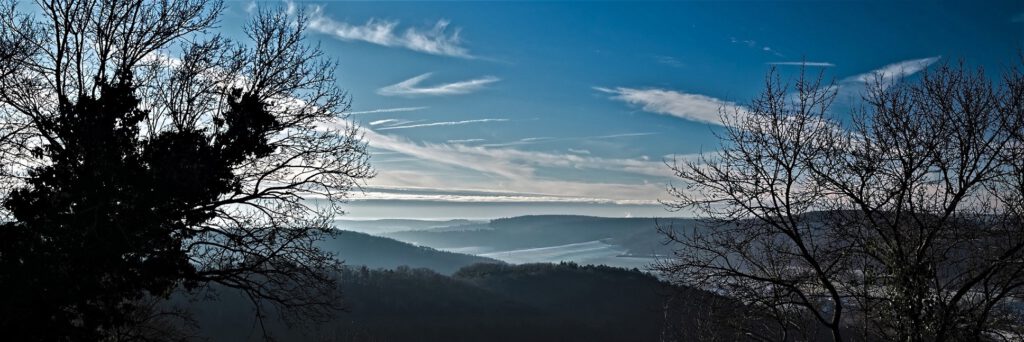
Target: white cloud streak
750	43
440	188
579	151
810	64
507	162
509	170
435	41
694	107
853	87
381	122
444	123
387	110
702	108
495	198
620	135
538	140
669	61
463	141
894	71
411	87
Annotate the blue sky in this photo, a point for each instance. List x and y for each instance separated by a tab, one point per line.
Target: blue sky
483	109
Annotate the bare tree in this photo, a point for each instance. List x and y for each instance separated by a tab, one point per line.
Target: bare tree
902	225
206	160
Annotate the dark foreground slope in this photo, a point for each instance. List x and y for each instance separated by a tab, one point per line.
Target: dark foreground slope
484	302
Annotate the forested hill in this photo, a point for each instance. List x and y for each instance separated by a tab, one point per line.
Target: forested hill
384	226
358	249
483	302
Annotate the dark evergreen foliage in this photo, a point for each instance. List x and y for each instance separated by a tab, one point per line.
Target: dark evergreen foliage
142	156
103	225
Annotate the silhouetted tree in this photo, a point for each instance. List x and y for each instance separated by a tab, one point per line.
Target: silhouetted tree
904	225
143	154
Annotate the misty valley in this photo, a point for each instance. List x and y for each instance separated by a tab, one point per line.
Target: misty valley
620	242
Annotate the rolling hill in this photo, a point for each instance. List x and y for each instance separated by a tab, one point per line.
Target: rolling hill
359	249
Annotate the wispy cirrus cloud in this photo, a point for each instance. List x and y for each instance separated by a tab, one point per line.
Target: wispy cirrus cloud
894	71
703	108
538	140
669	61
443	123
511	164
579	151
464	141
810	64
693	107
251	7
444	188
508	162
510	170
482	196
750	43
514	171
411	87
383	122
620	135
436	40
853	87
387	110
